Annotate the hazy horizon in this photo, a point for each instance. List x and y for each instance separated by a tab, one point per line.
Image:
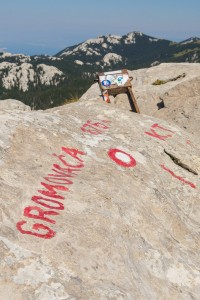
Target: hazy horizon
47	27
29	49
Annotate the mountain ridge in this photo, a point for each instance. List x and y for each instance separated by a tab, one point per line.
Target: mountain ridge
123	46
73	68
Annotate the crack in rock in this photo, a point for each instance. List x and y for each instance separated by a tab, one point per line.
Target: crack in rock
178	162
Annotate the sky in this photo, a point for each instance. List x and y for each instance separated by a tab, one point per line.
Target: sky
48	26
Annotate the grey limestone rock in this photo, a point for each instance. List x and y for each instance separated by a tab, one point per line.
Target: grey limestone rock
12	104
97	203
176	98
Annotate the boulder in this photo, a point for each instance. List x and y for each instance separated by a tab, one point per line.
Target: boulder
97	203
182	106
12	104
170	91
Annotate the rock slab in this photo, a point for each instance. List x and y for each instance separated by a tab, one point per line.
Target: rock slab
97	203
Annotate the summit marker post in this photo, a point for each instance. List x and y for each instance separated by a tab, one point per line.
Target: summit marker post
115	83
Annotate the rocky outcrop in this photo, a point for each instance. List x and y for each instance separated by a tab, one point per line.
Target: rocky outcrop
25	75
182	105
168	91
97	203
12	104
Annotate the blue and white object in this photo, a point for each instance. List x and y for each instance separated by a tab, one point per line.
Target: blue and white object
106	83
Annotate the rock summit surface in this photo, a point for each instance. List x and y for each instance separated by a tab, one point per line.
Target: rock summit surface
97	203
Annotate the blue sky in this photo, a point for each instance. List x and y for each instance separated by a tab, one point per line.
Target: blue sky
48	26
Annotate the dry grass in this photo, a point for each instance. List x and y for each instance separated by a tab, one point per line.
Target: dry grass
159	82
73	98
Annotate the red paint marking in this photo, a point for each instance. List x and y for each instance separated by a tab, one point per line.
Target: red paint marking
178	177
158	136
60	174
188	142
61	158
93	131
106	121
112	154
65	170
39	213
49	235
95	128
99	125
161	127
42	201
74	153
154	134
50	192
58	179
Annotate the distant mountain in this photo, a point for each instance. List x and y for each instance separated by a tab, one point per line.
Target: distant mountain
47	81
23	73
191	40
134	50
41	81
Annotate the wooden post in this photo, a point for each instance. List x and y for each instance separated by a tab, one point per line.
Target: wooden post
115	83
132	101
